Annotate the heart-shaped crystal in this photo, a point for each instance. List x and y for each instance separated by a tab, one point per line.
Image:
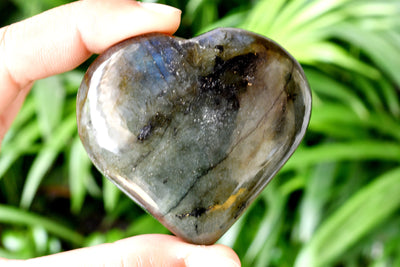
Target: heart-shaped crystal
193	130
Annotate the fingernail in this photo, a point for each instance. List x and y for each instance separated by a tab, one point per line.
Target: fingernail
202	257
160	8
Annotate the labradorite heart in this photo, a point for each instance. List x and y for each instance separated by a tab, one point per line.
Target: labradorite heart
193	130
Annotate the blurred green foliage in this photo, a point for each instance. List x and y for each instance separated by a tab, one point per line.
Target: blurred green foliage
335	203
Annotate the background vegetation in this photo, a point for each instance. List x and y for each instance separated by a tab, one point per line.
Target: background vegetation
335	203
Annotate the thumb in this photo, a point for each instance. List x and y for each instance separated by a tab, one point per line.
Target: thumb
145	250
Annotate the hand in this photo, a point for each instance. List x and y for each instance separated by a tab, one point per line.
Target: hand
57	41
62	38
139	251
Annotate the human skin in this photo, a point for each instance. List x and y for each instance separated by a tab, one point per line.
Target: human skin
57	41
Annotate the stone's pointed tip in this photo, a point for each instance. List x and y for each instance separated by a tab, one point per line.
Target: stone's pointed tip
193	130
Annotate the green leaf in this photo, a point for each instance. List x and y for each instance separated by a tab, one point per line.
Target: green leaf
360	214
146	224
49	96
15	148
18	244
333	152
391	96
17	216
336	119
282	21
79	173
316	195
252	22
34	7
331	53
379	47
313	10
267	232
202	12
45	159
328	87
111	195
40	238
72	80
24	117
370	93
231	20
231	236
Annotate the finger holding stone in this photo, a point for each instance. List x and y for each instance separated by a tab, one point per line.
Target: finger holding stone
62	38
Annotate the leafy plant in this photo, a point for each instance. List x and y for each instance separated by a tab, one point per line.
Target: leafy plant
335	203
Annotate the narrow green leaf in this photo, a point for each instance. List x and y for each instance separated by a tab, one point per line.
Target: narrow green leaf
114	235
9	254
14	215
267	10
391	96
269	223
45	159
295	183
146	224
315	9
193	6
333	152
231	236
92	187
329	112
79	171
203	12
285	15
336	119
364	14
231	20
72	80
24	116
327	86
365	9
327	52
316	195
339	131
310	12
360	214
111	195
209	14
370	94
385	124
40	239
379	47
16	147
313	32
49	96
19	243
94	239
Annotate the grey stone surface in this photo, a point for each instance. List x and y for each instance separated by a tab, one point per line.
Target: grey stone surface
193	130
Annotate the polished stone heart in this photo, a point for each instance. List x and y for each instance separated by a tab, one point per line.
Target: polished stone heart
193	130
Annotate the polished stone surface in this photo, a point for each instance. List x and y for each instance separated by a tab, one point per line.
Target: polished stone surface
193	130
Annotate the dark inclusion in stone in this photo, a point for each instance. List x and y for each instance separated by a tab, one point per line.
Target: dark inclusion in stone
193	130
